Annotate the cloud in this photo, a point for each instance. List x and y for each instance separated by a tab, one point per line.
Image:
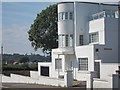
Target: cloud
15	40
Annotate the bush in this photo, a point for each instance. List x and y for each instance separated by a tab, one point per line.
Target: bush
19	67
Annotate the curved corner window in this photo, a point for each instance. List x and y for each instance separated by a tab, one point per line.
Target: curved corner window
65	16
65	40
70	16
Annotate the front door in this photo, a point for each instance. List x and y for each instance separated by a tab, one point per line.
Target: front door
97	68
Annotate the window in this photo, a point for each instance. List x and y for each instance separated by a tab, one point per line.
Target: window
66	40
71	40
63	40
58	63
105	13
81	40
116	14
94	37
60	41
66	15
83	63
60	16
70	15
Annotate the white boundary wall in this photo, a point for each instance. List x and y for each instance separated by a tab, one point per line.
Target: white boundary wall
34	74
14	78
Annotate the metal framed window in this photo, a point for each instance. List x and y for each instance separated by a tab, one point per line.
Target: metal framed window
58	63
66	40
70	15
60	16
94	37
81	40
63	40
71	40
83	63
60	41
66	15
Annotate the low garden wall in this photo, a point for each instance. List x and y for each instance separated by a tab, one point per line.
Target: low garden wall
36	79
14	78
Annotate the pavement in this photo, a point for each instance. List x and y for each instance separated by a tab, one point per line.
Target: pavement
21	86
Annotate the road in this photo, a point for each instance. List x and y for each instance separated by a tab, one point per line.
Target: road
19	86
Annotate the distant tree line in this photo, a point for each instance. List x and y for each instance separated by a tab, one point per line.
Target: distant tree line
10	58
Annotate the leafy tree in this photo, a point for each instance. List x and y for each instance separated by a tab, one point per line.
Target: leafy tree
24	59
43	32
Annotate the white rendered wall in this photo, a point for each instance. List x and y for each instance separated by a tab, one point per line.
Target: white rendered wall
98	25
34	74
86	51
65	26
111	34
109	58
81	25
14	78
83	12
55	72
46	64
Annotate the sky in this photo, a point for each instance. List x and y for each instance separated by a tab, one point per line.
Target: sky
16	20
17	16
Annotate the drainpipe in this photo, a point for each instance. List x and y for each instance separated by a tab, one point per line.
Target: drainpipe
74	34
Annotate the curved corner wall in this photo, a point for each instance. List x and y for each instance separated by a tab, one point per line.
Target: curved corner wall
65	23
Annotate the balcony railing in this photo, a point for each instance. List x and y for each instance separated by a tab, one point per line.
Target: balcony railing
103	14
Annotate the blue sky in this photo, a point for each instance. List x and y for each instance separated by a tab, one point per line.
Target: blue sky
16	20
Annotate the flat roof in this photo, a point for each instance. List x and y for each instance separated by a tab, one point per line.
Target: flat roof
92	3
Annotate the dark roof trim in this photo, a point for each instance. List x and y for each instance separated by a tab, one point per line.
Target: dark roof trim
92	3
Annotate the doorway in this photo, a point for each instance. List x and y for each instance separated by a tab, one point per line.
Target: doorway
97	68
44	71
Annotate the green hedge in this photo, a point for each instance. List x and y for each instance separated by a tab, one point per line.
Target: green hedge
20	67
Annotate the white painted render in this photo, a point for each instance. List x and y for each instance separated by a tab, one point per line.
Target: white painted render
44	64
108	44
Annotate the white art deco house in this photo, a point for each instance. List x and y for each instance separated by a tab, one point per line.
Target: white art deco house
89	44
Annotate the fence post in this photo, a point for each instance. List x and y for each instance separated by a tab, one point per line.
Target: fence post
68	77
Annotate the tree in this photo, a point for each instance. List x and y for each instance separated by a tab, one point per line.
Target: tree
43	32
24	59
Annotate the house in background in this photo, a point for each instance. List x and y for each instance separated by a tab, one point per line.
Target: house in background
89	44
